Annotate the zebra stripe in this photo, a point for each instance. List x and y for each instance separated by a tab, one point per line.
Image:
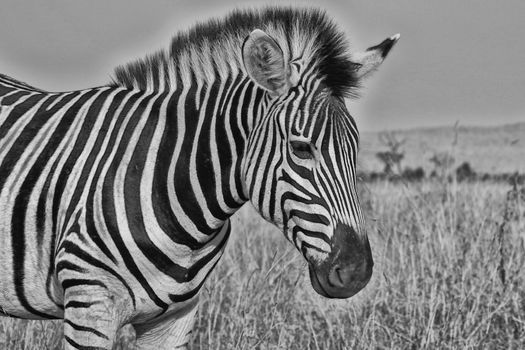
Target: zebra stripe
115	201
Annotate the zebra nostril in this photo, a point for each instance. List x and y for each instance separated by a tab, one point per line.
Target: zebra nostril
335	277
344	276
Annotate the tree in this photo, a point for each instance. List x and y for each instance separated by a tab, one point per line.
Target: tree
394	155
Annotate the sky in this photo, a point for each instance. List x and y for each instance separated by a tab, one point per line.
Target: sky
457	61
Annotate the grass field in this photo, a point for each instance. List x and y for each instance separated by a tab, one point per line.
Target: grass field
449	274
493	149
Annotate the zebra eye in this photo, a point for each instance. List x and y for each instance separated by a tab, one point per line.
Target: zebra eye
302	149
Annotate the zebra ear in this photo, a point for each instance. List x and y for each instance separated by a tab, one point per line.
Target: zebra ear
372	58
265	64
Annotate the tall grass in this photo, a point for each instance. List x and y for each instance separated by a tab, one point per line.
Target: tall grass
449	274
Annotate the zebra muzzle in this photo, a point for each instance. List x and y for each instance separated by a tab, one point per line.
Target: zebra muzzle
348	267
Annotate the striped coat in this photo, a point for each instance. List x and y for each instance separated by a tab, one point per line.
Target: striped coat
115	201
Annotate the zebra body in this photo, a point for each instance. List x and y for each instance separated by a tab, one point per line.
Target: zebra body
115	201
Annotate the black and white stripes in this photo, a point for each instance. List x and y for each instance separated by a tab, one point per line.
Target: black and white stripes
114	201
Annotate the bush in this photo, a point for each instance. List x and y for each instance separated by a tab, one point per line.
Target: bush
416	174
465	172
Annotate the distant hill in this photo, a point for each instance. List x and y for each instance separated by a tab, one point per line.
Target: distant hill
493	149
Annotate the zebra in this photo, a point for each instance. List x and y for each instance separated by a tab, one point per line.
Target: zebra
115	201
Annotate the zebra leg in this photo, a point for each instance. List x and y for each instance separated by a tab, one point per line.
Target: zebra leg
171	331
92	317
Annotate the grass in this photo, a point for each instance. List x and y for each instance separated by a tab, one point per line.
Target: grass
449	274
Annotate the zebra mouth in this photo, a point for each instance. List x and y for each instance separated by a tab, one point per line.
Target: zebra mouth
348	267
316	284
326	288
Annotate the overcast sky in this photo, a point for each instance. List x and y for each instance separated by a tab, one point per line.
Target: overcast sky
456	60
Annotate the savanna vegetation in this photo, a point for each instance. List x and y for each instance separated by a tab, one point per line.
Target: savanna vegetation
449	274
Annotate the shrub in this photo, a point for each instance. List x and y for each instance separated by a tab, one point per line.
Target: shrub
416	174
465	172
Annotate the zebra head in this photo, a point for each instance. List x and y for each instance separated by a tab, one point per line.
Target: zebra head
300	168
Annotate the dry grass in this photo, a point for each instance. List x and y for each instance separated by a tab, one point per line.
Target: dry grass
494	149
449	274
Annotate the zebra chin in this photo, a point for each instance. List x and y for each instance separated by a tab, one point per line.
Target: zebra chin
348	267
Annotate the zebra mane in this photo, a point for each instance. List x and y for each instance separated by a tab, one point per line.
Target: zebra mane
19	84
215	47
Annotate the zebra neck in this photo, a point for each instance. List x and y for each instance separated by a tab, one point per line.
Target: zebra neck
201	150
